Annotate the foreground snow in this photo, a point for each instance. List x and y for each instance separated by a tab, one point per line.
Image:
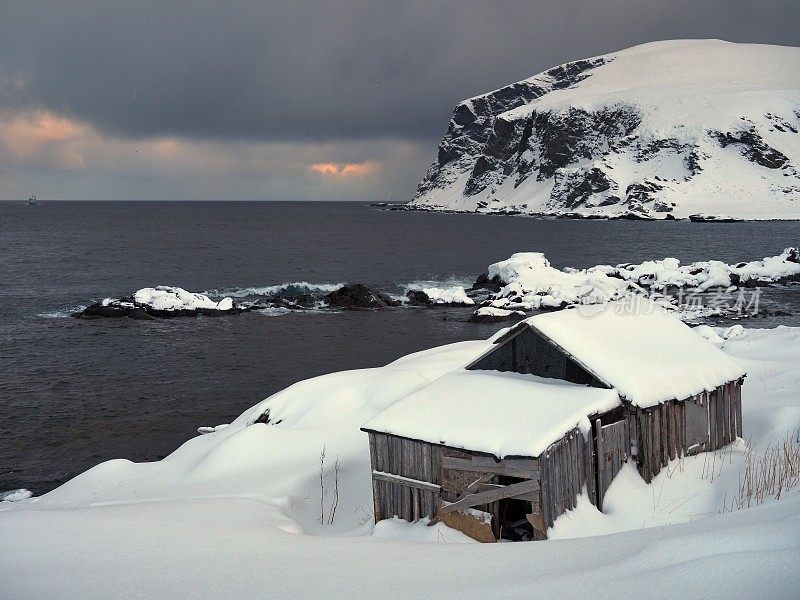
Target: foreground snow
236	512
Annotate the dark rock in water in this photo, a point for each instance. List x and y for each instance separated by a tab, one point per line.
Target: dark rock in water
358	296
418	298
128	307
303	301
141	314
496	317
484	282
99	310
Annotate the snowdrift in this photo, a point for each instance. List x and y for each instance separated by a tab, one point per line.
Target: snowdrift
241	511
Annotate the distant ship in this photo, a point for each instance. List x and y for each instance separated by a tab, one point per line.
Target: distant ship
32	201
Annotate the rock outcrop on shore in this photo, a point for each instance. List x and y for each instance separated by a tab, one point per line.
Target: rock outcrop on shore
524	282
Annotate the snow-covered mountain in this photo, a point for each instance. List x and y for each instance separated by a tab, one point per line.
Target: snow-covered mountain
672	128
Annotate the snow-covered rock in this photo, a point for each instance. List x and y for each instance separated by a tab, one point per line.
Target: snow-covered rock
710	274
170	298
526	281
531	283
490	314
161	301
431	296
672	129
15	495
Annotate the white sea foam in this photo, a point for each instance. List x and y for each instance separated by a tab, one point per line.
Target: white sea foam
62	313
294	288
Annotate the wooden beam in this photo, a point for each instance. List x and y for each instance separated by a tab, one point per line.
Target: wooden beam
509	491
406	481
510	467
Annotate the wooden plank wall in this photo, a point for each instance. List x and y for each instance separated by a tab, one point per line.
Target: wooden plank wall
565	467
725	415
407	458
662	437
613	447
662	429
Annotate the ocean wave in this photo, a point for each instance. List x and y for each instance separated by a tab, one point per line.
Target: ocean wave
62	313
279	311
446	282
283	290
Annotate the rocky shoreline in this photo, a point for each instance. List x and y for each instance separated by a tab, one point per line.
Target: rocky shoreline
569	216
509	290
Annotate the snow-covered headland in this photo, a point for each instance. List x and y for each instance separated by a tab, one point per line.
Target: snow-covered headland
676	129
241	511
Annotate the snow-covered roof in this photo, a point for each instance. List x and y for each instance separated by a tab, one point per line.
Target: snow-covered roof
634	346
500	413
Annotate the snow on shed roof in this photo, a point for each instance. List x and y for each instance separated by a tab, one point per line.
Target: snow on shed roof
500	413
649	356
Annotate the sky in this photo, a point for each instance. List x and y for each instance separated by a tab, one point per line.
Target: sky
292	100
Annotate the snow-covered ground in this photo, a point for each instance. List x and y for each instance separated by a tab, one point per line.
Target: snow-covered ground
237	513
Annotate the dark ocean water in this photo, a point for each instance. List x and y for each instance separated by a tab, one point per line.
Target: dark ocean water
74	393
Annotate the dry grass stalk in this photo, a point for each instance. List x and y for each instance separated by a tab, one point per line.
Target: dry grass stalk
768	474
335	501
322	486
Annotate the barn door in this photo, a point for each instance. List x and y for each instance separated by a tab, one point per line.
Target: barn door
612	445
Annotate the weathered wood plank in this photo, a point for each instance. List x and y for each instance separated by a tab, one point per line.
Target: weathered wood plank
591	480
723	400
509	491
544	488
714	420
598	432
405	481
739	430
680	429
481	465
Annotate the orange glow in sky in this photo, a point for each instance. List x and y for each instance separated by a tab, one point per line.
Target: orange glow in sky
345	169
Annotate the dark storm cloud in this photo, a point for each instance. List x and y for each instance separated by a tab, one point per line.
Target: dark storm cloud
322	70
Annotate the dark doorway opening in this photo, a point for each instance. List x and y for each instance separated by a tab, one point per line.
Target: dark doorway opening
514	524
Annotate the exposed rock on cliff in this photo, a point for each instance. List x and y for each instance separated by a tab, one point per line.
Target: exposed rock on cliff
663	130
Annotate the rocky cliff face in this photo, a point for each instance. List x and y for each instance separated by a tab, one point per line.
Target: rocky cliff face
670	128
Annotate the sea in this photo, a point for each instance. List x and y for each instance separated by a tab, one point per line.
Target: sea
74	393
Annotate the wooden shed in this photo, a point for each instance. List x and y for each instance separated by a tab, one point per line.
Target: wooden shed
561	401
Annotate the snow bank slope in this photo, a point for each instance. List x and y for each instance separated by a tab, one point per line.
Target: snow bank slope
667	128
220	517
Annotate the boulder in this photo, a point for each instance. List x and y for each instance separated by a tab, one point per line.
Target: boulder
418	298
99	310
488	314
484	282
358	296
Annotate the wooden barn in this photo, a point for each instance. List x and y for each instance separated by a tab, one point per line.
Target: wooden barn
553	410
